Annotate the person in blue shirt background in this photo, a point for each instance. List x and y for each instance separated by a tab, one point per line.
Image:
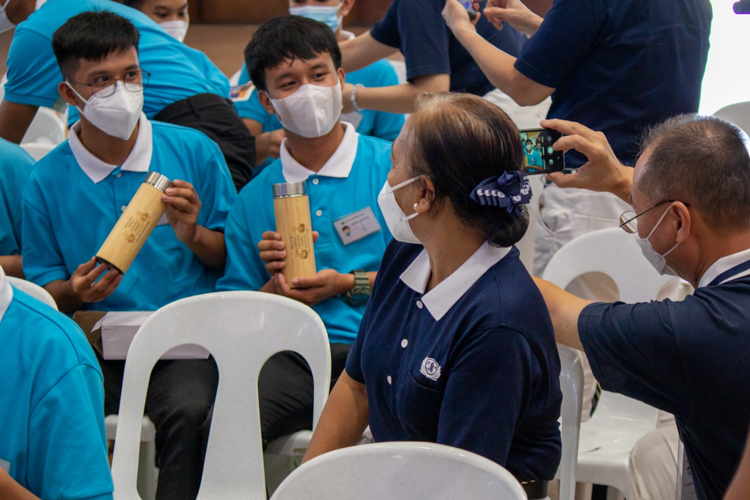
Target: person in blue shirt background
15	166
53	443
171	15
267	128
184	86
685	357
533	156
291	58
456	346
74	197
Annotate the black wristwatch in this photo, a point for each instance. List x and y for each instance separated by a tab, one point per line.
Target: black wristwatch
360	292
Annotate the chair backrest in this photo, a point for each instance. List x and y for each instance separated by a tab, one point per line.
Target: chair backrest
34	290
613	252
38	150
571	384
241	330
738	113
417	471
47	127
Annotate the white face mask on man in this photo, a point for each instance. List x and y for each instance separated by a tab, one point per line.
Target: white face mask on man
395	218
115	114
312	111
656	259
176	29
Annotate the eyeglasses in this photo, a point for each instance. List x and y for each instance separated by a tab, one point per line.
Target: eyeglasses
628	219
135	81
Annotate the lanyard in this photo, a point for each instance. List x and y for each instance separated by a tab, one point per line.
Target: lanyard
732	274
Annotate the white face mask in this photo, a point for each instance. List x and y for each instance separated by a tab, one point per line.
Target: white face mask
312	111
324	14
115	115
395	218
176	29
656	259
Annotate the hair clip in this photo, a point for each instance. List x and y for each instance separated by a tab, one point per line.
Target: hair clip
510	191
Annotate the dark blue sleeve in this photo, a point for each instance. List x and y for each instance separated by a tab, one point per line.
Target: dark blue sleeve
569	31
418	29
632	350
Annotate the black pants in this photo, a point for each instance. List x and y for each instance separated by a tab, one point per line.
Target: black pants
216	117
180	396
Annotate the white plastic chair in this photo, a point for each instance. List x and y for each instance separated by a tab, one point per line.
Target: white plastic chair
619	422
526	246
738	113
242	330
47	127
400	470
38	150
571	384
34	290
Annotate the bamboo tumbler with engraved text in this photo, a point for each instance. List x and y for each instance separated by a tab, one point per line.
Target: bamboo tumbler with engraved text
291	207
135	225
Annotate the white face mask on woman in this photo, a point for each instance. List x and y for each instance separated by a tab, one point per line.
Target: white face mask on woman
395	218
324	14
176	29
116	114
312	111
656	259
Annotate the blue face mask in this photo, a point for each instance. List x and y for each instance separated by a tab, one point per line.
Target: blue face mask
326	15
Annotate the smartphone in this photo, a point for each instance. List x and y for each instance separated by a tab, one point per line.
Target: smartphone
469	6
539	157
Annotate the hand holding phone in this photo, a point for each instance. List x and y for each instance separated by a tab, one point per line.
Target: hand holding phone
469	6
539	157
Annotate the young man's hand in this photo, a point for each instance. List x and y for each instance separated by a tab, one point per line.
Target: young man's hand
515	13
312	289
183	206
272	251
83	282
268	144
457	18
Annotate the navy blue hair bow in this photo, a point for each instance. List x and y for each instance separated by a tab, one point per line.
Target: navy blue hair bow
510	190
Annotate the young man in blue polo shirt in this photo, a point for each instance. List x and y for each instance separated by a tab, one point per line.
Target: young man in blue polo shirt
184	86
74	197
296	64
52	443
267	128
15	166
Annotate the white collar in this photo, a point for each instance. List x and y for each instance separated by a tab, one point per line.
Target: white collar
347	35
338	165
6	294
725	264
139	159
440	299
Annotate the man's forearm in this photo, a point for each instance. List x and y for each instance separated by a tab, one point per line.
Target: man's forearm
564	310
15	120
401	98
363	51
500	70
11	490
12	265
209	247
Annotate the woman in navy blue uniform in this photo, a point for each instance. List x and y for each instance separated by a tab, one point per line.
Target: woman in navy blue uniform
456	346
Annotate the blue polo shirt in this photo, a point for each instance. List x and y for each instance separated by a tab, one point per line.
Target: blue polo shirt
418	29
177	71
51	403
68	216
472	363
333	192
688	358
15	165
619	66
374	123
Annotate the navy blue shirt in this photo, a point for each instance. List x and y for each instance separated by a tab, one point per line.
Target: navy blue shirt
472	363
619	66
417	28
689	358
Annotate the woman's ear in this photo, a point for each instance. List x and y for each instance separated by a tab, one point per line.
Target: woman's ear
427	196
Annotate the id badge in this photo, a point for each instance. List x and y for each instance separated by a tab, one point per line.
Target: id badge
241	93
357	225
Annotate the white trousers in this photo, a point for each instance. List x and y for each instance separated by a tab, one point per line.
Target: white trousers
523	116
653	463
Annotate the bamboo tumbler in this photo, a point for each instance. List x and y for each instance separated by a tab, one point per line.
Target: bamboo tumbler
135	225
291	207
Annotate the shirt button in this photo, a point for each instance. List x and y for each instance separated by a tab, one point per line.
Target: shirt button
419	304
123	207
119	174
318	213
389	379
316	181
404	343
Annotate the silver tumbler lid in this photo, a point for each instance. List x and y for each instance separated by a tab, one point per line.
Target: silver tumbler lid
287	189
157	180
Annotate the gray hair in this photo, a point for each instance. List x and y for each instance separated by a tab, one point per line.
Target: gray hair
702	161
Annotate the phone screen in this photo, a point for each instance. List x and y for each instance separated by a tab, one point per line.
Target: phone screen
469	6
539	157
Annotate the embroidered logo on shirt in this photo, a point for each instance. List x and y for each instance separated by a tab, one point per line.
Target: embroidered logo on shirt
430	369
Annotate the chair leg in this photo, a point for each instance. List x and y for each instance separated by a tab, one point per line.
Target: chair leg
146	484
